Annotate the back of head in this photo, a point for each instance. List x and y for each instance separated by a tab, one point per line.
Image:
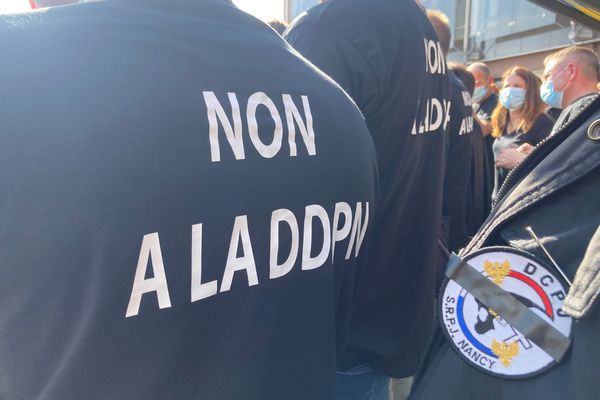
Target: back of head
481	67
463	74
441	25
278	26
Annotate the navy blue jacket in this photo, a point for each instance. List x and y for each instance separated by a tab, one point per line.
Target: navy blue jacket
184	206
385	54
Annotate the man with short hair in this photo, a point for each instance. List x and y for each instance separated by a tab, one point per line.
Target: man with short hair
549	212
179	218
484	97
570	77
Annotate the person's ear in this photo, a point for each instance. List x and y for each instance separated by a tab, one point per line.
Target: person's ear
573	71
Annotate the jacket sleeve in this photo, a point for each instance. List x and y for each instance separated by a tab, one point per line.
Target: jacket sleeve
586	286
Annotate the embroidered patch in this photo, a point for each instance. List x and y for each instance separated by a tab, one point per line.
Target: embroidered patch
481	336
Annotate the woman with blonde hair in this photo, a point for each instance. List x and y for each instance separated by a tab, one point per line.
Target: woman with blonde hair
519	121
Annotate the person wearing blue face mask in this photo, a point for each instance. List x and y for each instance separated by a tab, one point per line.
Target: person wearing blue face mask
519	121
485	98
570	77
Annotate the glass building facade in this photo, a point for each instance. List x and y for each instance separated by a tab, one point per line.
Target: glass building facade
506	28
296	7
501	33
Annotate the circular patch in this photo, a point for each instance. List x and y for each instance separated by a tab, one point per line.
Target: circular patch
481	336
594	130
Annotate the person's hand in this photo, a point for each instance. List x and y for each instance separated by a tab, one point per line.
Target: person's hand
525	148
509	158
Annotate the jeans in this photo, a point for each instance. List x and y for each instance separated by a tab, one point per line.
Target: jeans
362	383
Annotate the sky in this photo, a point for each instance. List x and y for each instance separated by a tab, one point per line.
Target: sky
263	9
13	6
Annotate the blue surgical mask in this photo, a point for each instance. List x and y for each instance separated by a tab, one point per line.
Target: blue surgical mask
513	98
551	96
479	93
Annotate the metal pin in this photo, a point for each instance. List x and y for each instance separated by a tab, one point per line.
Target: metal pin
539	242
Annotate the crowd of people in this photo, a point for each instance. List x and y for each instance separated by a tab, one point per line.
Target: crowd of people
195	205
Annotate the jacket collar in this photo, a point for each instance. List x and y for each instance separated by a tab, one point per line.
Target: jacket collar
576	156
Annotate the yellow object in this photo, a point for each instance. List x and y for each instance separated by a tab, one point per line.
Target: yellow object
496	270
590	12
505	351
